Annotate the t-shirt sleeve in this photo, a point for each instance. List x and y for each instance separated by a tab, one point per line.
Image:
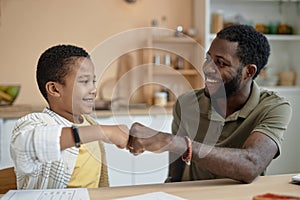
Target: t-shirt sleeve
275	123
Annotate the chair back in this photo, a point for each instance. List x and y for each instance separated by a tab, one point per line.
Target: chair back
8	180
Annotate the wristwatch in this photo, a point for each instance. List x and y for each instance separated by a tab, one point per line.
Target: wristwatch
76	136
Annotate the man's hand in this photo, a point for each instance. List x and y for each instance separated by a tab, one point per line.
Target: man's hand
143	138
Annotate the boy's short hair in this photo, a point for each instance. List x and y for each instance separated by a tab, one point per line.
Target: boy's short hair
54	64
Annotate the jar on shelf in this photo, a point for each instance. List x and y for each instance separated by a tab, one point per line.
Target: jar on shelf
287	78
156	59
160	98
167	59
179	63
217	21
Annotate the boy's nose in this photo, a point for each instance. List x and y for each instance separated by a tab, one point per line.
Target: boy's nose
93	90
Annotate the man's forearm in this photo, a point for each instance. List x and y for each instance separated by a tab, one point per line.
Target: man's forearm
243	164
232	163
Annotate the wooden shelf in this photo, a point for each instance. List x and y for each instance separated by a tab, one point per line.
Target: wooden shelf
283	37
160	74
275	37
174	40
163	71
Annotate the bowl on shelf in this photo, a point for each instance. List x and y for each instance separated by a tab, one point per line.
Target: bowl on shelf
8	93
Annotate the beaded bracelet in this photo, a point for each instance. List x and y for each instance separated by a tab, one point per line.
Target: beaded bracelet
187	159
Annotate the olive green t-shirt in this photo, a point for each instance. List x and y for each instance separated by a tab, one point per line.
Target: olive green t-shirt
265	112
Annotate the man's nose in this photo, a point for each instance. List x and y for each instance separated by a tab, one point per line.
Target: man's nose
209	67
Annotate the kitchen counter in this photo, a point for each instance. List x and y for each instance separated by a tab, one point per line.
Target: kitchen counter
153	110
17	111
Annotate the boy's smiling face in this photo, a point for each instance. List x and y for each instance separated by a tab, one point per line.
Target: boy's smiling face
77	94
84	90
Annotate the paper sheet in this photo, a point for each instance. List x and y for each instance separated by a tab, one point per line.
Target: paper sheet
153	196
49	194
296	179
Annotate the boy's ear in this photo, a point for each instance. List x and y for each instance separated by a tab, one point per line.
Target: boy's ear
52	89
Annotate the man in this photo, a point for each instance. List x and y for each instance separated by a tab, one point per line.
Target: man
235	127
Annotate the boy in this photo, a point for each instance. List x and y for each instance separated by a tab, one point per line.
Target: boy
61	146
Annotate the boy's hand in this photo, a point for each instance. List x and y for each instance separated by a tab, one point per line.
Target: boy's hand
116	134
122	141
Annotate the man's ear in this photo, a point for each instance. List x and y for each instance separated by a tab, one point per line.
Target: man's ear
251	70
52	89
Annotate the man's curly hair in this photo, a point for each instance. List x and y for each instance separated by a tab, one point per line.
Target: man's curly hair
253	46
54	64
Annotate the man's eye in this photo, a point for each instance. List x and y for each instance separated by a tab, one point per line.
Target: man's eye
221	64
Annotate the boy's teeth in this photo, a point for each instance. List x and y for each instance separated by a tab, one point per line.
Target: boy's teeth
88	99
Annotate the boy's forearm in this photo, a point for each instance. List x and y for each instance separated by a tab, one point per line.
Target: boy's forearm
86	134
109	134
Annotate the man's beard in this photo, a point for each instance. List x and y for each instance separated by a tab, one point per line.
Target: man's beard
231	88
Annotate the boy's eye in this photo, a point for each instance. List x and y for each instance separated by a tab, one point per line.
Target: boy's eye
84	81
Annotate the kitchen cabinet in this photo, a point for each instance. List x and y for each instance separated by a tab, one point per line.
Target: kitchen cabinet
147	168
288	161
284	47
6	127
173	63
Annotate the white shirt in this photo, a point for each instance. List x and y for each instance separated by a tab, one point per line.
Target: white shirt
35	150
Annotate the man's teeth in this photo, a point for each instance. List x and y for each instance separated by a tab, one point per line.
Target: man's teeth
212	80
